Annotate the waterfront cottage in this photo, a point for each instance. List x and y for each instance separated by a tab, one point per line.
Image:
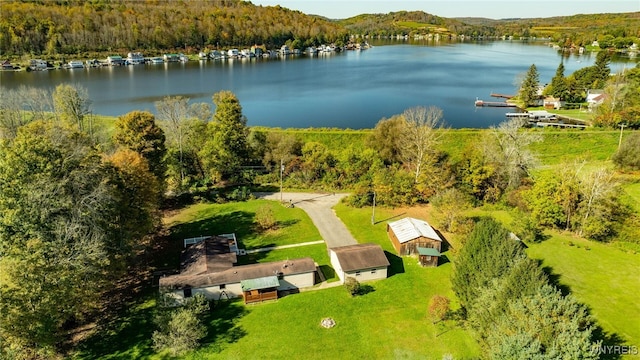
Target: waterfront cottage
551	102
361	261
408	234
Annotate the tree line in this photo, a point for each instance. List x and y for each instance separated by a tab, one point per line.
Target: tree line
72	27
621	92
76	27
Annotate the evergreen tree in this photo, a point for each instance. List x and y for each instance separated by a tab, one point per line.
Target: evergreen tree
545	325
529	87
559	86
489	253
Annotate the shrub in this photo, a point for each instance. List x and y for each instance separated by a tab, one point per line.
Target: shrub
352	285
181	328
265	219
628	156
439	307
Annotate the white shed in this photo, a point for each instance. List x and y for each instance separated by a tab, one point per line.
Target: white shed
361	261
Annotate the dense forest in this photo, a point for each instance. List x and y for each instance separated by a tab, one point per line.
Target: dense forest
30	28
71	27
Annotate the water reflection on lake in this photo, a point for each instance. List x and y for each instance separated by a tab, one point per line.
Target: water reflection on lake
353	89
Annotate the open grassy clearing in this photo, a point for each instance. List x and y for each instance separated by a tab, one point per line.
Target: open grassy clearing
590	145
633	192
293	225
599	275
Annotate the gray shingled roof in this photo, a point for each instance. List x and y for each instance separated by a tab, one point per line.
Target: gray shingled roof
239	273
360	256
210	255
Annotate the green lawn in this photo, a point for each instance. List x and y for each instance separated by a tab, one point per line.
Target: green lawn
294	225
601	276
633	191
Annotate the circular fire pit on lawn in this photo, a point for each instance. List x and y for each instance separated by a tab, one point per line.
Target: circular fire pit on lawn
327	323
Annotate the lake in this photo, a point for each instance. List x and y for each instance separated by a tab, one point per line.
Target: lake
353	89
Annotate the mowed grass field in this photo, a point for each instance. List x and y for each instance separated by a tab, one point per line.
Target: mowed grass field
599	275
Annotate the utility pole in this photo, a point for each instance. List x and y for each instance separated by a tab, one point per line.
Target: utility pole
373	213
620	141
281	170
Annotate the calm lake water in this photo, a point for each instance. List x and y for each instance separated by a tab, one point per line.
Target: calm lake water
354	89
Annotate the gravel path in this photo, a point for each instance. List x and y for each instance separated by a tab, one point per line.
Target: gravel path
319	207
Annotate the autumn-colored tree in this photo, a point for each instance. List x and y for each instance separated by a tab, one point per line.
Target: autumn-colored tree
137	210
139	132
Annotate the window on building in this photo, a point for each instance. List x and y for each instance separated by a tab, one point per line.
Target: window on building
223	286
186	292
357	273
373	271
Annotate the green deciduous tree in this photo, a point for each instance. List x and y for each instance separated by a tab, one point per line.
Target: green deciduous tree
476	173
57	211
181	328
72	104
386	139
449	207
225	149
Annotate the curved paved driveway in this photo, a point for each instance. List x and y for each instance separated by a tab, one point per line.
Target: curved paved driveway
319	207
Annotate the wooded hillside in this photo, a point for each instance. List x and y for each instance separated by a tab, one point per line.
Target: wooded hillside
70	27
75	27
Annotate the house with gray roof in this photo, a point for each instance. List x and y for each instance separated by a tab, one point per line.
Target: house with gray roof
209	268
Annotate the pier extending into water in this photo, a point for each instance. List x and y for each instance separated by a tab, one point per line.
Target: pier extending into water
504	96
494	103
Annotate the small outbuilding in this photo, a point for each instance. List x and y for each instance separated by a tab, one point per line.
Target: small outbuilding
361	261
428	256
408	234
